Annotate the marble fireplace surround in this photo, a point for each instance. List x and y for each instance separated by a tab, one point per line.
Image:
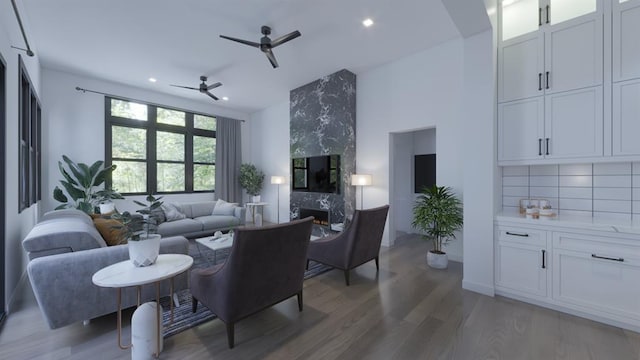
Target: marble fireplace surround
323	122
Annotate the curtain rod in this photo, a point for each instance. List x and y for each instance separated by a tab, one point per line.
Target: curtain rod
28	49
143	101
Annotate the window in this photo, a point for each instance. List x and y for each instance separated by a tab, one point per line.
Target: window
158	149
29	152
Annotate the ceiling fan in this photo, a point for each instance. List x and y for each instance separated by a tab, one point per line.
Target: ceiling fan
265	45
204	88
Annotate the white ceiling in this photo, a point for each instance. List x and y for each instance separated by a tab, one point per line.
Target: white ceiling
176	41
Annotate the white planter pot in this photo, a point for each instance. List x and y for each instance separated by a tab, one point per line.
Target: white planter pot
255	199
145	251
437	261
107	208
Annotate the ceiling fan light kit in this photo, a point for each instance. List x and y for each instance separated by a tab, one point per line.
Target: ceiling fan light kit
266	44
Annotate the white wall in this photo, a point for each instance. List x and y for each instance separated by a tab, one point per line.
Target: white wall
67	109
480	169
420	91
17	225
270	152
401	184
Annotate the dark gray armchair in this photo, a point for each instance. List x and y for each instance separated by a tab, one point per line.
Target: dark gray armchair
358	244
266	266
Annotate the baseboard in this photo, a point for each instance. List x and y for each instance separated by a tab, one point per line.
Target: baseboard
479	288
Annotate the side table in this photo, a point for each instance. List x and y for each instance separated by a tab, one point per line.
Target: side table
125	274
257	212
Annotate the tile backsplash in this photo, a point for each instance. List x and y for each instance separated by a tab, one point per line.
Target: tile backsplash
601	190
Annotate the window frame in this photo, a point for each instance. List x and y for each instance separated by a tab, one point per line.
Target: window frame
152	127
29	140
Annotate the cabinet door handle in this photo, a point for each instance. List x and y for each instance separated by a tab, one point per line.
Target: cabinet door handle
607	258
539	81
548	12
547	78
544	262
539	16
516	234
547	140
540	147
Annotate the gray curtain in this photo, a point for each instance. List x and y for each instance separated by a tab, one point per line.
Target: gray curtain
228	160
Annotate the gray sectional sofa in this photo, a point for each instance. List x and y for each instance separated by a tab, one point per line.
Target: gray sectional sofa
65	250
199	220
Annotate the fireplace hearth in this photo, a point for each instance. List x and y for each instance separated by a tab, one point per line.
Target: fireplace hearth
320	217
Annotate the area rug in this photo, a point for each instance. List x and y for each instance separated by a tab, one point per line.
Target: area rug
183	318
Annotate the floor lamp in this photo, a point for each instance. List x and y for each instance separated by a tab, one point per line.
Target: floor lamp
361	180
278	180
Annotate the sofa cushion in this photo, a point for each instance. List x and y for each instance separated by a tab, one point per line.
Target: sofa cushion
68	233
173	212
111	230
212	222
202	208
179	227
224	208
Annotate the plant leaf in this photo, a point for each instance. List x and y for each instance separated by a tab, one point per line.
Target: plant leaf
74	170
59	196
66	174
93	170
102	175
73	191
86	179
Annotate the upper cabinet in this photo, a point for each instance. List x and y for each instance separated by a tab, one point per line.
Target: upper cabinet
561	50
626	46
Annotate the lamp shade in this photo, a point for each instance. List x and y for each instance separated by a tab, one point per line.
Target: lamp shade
277	180
360	179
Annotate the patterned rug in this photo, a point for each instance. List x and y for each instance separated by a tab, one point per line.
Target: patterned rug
203	257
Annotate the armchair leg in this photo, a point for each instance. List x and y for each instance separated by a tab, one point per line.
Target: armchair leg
307	268
300	300
194	304
346	277
377	264
230	335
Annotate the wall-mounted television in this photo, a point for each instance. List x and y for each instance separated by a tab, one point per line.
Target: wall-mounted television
424	171
319	174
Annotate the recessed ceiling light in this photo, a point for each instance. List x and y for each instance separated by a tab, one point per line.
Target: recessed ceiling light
151	79
367	22
225	98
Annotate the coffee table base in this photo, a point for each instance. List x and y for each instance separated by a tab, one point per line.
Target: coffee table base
145	332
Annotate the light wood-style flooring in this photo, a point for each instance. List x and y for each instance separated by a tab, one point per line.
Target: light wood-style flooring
406	311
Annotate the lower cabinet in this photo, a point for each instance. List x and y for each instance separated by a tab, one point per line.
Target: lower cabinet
595	274
521	261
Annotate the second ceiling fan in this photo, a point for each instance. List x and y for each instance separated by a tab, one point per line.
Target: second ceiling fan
266	44
203	88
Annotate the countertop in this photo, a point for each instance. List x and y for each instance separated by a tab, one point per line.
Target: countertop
628	226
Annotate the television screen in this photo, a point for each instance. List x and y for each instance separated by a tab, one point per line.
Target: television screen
316	174
424	171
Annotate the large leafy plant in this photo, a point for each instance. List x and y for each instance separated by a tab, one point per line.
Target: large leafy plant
438	213
251	179
136	227
81	183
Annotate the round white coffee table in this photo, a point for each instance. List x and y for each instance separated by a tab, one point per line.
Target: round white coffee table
125	274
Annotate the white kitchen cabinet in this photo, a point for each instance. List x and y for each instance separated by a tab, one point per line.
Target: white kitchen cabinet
521	129
553	58
574	124
564	125
521	261
626	47
626	118
595	275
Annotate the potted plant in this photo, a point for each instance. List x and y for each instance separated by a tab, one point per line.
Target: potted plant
140	231
437	213
81	183
251	179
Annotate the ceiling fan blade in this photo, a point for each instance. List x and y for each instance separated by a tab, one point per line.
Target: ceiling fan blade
186	87
283	39
271	57
250	43
213	86
211	95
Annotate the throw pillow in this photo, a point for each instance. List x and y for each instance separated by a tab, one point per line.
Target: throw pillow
110	231
224	208
173	212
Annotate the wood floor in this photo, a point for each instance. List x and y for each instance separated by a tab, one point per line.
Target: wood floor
406	311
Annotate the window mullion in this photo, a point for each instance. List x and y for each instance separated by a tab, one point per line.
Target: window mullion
152	156
188	153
